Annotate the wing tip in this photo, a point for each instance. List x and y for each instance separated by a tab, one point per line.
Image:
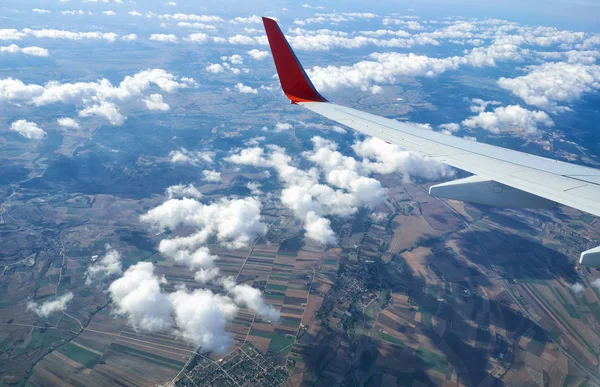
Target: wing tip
295	83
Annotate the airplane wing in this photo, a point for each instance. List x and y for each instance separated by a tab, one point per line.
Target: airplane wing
502	177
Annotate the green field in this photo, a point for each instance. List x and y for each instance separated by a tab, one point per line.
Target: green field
330	262
276	287
80	355
259	333
392	339
433	360
290	321
426	318
279	342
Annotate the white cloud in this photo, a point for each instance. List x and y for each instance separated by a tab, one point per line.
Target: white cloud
109	13
480	105
68	123
211	176
234	59
245	89
234	222
104	109
28	129
206	275
33	50
215	68
258	54
135	13
172	3
513	116
49	307
138	296
183	191
254	187
155	102
76	12
247	20
348	185
38	10
385	69
97	97
577	289
451	127
282	126
129	37
109	264
378	216
165	38
250	297
381	157
185	156
201	317
193	17
549	84
319	229
197	26
197	37
69	35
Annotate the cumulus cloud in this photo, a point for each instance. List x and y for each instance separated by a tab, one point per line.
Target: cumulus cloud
49	307
215	68
108	110
206	275
98	98
68	123
348	186
198	317
109	264
33	50
211	176
197	37
480	105
381	157
282	126
240	87
184	156
451	127
250	297
234	222
258	54
28	129
550	84
109	13
13	34
512	116
386	68
38	10
192	17
155	102
201	317
577	289
165	38
138	296
129	37
183	191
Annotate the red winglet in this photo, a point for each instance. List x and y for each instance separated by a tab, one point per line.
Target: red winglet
294	81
